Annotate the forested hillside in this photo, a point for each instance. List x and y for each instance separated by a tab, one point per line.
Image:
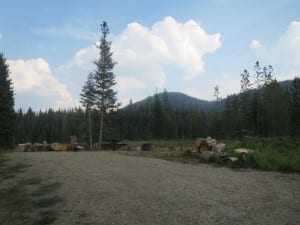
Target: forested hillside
178	100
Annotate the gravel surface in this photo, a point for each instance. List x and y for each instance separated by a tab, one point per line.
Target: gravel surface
109	188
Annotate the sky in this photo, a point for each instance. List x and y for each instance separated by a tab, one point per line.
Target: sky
184	46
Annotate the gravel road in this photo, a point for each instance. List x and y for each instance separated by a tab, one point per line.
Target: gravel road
110	188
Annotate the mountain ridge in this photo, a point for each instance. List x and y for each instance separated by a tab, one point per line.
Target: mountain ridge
179	100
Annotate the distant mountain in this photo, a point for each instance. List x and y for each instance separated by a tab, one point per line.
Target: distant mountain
179	100
286	84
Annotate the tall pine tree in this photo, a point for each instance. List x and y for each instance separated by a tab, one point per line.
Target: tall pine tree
104	79
7	113
88	101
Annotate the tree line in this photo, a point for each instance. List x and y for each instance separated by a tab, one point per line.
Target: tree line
269	111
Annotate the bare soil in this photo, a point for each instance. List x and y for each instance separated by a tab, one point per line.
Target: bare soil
109	188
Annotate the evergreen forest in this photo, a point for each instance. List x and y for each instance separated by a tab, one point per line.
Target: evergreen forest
272	110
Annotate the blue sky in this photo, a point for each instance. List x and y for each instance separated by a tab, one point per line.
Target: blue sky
187	46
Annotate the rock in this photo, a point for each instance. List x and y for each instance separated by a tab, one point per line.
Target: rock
232	159
243	151
221	147
79	148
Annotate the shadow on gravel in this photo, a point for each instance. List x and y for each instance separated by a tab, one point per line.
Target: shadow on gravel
26	200
46	189
48	202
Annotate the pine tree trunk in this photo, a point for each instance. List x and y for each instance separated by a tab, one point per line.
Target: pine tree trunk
90	130
101	126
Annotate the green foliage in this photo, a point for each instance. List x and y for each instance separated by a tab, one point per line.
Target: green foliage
51	126
88	100
295	107
245	81
7	113
281	154
104	79
157	119
87	96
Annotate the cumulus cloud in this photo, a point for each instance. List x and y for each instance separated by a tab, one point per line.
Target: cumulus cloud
285	52
166	42
35	76
82	60
146	54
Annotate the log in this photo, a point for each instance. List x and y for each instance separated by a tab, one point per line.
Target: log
37	147
59	147
25	147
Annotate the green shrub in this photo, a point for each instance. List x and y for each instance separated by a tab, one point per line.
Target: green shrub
280	154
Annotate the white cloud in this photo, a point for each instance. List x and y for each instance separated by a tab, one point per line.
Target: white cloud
166	42
284	54
145	56
82	60
35	76
0	35
255	44
130	82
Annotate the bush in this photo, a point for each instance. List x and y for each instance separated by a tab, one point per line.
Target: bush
280	154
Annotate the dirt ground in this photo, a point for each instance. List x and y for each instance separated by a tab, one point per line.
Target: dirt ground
109	188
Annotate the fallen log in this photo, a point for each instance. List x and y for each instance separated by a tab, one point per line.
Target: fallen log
59	147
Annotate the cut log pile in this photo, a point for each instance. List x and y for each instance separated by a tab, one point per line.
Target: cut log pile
36	147
208	148
207	144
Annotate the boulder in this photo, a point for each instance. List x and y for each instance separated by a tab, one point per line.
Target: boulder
243	151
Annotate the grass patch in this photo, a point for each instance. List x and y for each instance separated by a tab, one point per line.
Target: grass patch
48	202
279	154
162	143
45	189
